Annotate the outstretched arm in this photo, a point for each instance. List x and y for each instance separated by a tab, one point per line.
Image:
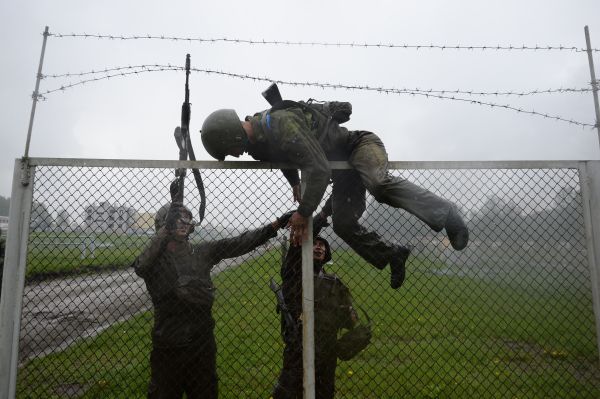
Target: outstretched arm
249	240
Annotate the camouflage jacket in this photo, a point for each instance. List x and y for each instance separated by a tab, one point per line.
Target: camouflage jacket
305	139
333	302
177	276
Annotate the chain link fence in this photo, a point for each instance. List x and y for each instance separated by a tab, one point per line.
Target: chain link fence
511	316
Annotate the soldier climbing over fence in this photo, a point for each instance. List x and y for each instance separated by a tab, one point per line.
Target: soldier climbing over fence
308	135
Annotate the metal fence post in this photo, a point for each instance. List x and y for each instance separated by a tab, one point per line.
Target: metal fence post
14	278
593	77
36	93
308	313
589	177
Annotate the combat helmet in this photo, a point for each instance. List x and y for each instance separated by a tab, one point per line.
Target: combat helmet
221	131
161	216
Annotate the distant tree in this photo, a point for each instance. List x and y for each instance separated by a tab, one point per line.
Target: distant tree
4	204
41	219
499	220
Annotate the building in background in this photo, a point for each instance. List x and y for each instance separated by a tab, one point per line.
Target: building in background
105	217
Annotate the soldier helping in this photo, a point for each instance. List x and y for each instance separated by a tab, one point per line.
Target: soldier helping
302	135
177	276
333	312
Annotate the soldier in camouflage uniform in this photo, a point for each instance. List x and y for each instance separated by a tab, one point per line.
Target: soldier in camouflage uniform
309	140
333	312
177	276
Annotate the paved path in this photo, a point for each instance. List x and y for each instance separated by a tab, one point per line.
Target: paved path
59	312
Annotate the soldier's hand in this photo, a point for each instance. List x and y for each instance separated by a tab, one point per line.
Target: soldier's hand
284	219
297	193
299	228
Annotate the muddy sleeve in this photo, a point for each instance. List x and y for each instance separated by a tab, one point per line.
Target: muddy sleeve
215	251
300	147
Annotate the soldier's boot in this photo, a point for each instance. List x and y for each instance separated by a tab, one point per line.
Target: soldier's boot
457	230
398	268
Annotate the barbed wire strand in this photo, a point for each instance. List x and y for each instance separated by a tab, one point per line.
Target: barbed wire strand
151	67
322	85
498	47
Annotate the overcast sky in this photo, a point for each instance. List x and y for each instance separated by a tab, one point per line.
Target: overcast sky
133	117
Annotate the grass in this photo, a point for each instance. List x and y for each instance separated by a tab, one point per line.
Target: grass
439	336
60	254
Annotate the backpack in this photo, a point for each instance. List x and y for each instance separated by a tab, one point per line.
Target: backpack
354	341
338	111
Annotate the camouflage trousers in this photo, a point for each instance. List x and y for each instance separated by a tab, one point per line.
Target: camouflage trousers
370	173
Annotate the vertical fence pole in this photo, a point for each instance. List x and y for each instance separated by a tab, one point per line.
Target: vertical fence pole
36	93
589	178
594	81
14	279
308	310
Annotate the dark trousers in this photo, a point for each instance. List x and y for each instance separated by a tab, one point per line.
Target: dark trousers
189	369
370	162
289	385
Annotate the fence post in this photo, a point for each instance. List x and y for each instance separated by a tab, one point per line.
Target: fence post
308	310
36	93
14	277
593	77
589	177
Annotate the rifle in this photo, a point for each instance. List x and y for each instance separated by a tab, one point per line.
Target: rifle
289	326
182	138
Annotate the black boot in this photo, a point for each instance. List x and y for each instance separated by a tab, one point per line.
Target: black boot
457	230
397	265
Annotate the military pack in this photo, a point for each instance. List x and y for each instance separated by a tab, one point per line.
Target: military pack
338	111
354	341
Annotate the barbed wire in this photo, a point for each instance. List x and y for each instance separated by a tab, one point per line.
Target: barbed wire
152	67
498	47
105	70
42	95
334	86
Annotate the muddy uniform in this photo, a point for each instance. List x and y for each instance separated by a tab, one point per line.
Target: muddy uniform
333	311
309	141
177	275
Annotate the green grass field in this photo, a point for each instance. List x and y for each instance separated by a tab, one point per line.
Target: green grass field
439	336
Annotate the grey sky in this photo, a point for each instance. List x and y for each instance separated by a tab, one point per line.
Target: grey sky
133	117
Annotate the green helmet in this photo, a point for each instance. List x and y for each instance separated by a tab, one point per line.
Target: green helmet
221	131
160	219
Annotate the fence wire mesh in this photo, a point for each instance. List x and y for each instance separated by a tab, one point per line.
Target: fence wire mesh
509	317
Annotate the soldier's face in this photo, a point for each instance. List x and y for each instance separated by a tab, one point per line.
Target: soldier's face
319	250
184	225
